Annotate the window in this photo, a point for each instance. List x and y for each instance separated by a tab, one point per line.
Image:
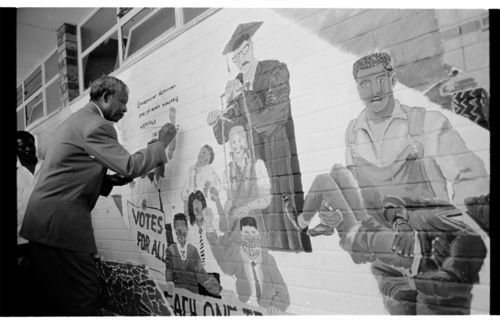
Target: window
20	119
94	28
131	23
52	96
19	95
51	68
33	82
100	61
150	28
34	109
191	13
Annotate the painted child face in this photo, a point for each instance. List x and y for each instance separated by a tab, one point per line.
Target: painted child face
375	88
181	231
204	157
197	209
238	144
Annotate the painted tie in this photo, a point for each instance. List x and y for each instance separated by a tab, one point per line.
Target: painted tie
202	248
257	285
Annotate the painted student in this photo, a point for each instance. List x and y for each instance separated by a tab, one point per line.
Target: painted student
259	99
258	279
183	265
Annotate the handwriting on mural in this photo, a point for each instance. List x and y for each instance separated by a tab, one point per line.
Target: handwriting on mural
185	305
150	107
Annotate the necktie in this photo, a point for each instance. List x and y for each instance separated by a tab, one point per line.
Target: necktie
202	248
257	285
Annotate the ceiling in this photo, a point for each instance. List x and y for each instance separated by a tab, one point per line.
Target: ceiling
37	34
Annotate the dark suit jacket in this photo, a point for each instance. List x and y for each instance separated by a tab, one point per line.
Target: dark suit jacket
184	274
273	287
84	146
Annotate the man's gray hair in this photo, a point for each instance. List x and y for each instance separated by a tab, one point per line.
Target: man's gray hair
106	84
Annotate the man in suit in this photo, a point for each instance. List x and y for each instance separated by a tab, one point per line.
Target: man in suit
258	280
184	267
58	220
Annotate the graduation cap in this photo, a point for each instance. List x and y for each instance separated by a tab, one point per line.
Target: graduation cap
241	30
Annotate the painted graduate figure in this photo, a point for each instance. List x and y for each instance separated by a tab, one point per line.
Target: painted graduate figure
258	98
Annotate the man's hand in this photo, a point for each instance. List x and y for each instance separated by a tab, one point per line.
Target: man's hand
118	180
290	212
233	88
330	216
212	285
242	211
167	133
440	250
214	194
206	187
213	117
405	239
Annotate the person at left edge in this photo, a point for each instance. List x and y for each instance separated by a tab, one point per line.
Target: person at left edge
58	220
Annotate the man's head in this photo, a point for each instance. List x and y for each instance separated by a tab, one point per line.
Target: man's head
240	46
242	54
238	143
111	95
250	236
375	78
180	228
26	149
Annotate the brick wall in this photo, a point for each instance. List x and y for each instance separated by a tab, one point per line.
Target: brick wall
319	47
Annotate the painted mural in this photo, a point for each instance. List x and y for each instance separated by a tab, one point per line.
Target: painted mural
398	191
258	99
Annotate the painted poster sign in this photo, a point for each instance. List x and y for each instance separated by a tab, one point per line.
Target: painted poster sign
148	226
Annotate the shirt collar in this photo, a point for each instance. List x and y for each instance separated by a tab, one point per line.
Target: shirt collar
98	109
398	113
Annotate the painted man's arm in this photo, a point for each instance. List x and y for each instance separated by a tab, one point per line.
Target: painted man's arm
276	110
459	165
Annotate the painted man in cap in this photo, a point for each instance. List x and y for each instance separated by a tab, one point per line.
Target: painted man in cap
258	98
403	159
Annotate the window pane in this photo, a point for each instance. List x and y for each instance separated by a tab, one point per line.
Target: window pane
19	95
101	22
34	109
53	99
33	82
191	13
157	24
20	119
101	61
132	22
51	66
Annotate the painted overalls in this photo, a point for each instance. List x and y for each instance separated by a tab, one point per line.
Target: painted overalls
421	290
